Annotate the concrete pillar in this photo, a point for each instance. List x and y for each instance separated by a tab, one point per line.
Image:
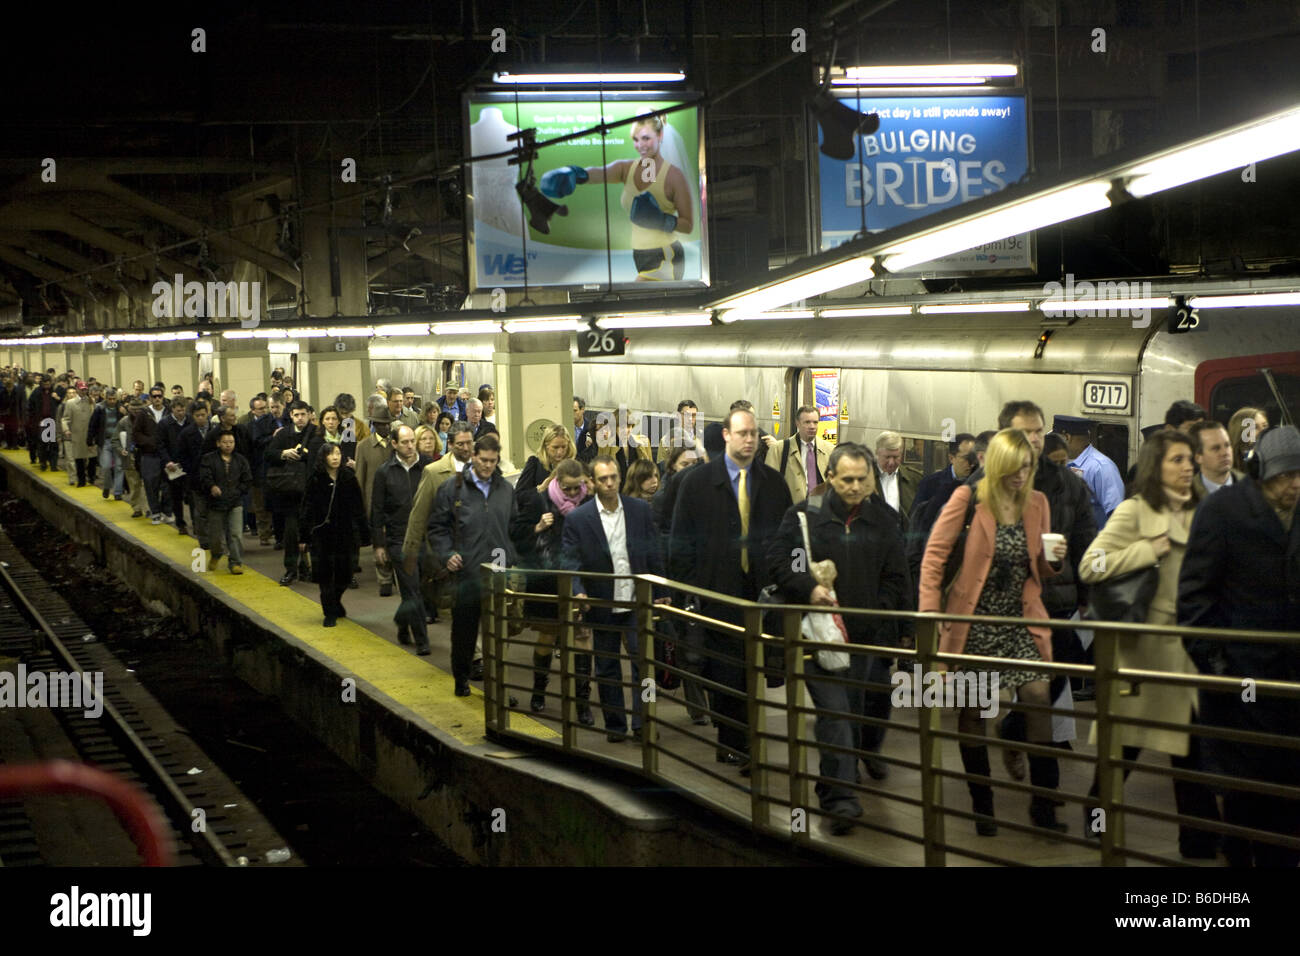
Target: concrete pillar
533	375
334	267
174	363
102	364
241	364
135	361
324	372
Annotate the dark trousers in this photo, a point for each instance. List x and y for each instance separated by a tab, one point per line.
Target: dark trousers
465	617
724	663
333	568
1190	799
49	454
1262	813
875	703
607	645
179	487
81	472
410	613
836	731
151	476
285	508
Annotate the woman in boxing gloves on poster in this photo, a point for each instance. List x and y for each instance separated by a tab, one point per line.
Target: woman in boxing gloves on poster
655	195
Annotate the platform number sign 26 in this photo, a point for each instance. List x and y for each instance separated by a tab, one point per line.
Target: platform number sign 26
595	342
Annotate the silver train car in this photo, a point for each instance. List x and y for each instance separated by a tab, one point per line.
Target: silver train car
927	377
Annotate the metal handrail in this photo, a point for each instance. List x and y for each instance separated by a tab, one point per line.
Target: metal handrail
764	800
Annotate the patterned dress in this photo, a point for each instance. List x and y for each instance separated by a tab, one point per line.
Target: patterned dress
1003	597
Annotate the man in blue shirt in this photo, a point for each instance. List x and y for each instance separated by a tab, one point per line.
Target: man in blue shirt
1099	473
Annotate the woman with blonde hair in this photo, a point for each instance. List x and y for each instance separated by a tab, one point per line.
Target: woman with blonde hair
1148	530
1244	430
555	446
1001	574
427	442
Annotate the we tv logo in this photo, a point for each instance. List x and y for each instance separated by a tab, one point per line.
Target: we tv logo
509	264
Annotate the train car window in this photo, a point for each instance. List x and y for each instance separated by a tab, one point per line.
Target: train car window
1112	441
1252	391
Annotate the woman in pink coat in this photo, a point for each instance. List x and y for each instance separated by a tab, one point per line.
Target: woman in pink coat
1001	574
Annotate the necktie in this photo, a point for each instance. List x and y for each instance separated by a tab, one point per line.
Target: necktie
742	502
812	467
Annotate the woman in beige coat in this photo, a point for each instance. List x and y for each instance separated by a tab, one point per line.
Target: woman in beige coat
1150	529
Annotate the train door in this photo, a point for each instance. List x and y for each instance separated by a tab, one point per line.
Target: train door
1269	382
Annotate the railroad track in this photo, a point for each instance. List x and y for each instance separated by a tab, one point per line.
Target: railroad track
213	823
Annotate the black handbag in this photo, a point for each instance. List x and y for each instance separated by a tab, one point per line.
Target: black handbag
958	553
1124	599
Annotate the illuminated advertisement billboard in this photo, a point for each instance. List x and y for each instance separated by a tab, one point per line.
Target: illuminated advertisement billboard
930	153
630	202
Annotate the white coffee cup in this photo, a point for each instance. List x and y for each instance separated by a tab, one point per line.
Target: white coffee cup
1050	541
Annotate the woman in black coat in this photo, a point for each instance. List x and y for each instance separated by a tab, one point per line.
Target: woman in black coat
539	524
333	521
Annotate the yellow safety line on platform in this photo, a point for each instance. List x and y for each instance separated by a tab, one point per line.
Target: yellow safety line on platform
427	690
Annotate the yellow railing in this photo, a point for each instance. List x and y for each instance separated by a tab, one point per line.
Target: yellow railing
778	798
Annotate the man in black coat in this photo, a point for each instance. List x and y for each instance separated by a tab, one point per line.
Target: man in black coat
861	536
584	432
719	541
612	534
258	430
42	429
169	450
1242	570
287	458
391	496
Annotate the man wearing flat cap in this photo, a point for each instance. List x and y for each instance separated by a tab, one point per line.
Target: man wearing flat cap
1099	473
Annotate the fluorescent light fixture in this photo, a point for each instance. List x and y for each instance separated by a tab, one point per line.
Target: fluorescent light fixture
349	331
270	333
972	308
1103	305
176	336
864	313
928	74
557	323
680	320
1270	136
203	346
1047	210
806	286
507	78
745	315
413	329
472	327
306	333
1243	301
241	334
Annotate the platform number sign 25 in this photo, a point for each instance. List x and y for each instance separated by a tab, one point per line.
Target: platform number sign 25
1183	318
595	342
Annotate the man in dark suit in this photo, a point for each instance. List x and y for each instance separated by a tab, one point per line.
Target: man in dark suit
940	485
584	432
474	415
613	534
724	519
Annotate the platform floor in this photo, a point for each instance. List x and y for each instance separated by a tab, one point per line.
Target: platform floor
365	643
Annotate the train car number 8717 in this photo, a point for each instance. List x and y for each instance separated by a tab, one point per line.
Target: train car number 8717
1112	395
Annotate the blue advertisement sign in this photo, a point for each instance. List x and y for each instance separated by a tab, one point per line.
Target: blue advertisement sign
930	153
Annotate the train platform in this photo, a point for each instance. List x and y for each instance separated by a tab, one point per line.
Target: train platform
394	716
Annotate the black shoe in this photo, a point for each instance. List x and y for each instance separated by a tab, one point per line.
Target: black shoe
304	572
1043	815
331	621
726	756
585	716
842	821
354	583
81	484
385	590
403	636
462	688
106	491
289	578
877	769
424	651
537	703
341	611
616	736
476	671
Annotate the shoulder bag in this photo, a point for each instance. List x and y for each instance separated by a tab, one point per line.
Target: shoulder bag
1125	598
823	626
958	552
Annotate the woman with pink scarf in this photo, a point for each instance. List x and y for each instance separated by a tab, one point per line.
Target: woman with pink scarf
540	521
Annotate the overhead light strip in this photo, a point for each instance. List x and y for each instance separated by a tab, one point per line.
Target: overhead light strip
505	78
1244	301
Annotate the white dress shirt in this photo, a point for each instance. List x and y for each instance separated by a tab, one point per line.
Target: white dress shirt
1212	486
889	488
615	525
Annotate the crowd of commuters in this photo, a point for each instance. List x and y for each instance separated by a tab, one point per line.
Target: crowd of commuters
1021	522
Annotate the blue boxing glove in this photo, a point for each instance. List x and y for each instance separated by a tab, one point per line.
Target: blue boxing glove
647	214
559	183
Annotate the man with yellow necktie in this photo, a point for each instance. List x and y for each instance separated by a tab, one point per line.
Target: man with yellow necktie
726	513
